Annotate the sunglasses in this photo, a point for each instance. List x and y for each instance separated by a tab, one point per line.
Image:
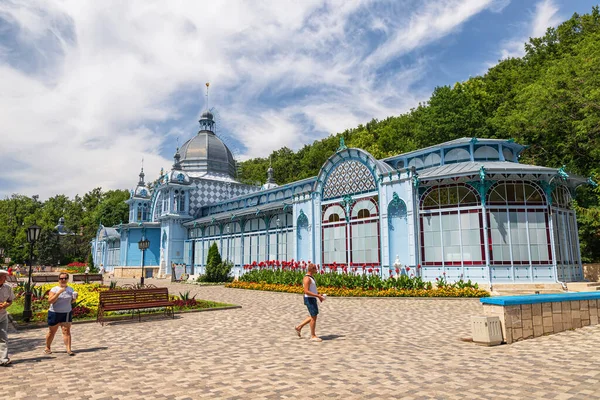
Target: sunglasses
62	279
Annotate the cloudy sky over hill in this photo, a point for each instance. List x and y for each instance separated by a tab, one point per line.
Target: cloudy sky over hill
89	88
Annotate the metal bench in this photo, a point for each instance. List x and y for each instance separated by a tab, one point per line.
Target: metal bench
87	278
135	300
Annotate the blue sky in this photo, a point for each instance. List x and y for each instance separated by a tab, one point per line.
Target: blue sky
90	88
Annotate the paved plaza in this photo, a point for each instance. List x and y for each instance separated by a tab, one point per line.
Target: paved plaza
372	348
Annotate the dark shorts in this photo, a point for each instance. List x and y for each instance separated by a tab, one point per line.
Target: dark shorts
59	317
311	304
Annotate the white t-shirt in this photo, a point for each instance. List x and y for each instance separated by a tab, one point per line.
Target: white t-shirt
63	304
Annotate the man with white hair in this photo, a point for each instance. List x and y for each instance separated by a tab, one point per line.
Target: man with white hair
6	298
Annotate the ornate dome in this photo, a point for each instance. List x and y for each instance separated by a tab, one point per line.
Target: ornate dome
205	152
206	115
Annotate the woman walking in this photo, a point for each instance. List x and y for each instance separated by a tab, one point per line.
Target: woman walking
60	313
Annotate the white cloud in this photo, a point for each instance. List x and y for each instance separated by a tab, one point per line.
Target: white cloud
544	16
87	86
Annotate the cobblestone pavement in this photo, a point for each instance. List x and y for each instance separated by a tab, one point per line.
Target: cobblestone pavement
372	348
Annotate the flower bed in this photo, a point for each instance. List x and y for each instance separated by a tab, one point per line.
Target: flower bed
86	306
360	292
357	284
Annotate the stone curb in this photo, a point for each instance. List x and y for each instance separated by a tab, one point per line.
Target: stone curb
40	325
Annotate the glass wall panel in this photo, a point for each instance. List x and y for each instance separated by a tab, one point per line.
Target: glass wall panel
334	245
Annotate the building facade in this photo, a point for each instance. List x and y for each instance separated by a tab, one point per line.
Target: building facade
461	209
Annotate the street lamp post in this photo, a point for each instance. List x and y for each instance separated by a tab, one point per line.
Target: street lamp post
33	234
143	246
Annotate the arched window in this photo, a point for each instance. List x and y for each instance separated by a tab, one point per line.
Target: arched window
364	233
145	212
450	196
566	242
518	224
451	226
415	162
281	237
334	235
364	209
432	160
255	240
561	197
334	213
508	155
456	155
516	193
179	201
483	153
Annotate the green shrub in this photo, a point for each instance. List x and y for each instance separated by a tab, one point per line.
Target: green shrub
219	272
214	258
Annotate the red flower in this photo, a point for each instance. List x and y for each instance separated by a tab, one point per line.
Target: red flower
407	269
377	270
370	270
397	270
437	279
418	266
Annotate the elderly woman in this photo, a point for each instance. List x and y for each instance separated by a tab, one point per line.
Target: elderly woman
60	313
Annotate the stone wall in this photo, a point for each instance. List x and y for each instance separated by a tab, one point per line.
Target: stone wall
527	321
591	272
133	272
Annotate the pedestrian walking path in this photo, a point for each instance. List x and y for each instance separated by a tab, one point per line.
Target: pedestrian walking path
372	348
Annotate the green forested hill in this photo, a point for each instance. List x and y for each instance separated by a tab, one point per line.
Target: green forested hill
549	99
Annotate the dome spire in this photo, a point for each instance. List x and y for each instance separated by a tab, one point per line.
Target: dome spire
207	120
177	158
142	175
207	85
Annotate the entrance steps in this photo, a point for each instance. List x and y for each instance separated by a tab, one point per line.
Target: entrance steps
508	289
583	286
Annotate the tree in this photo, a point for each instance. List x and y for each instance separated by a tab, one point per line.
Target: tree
216	270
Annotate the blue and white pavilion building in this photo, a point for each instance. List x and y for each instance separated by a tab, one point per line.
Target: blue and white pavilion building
465	208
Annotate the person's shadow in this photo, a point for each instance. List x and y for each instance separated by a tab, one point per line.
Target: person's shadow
331	337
